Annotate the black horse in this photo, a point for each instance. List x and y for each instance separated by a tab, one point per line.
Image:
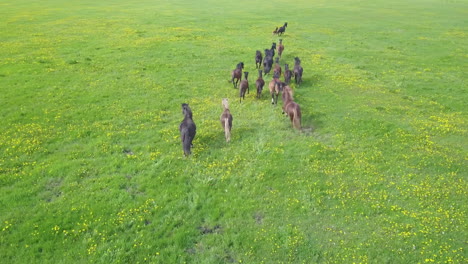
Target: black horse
267	61
258	59
187	129
282	29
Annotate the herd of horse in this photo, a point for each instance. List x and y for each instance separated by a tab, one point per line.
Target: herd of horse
276	86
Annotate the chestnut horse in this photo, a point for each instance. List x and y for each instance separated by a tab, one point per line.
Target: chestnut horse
280	48
291	108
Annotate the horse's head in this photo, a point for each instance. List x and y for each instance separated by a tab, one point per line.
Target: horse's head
276	76
225	103
246	74
186	109
297	60
278	84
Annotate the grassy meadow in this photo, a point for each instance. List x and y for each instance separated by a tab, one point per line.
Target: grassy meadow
92	168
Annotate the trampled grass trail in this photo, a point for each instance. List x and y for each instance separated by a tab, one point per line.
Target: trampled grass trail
92	167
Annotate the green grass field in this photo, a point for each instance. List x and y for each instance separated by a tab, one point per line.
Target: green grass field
92	168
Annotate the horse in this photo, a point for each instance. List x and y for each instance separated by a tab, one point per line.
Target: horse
237	74
275	31
226	120
273	48
274	89
244	86
280	48
277	68
187	129
259	83
287	74
282	29
283	88
297	71
267	61
292	109
258	59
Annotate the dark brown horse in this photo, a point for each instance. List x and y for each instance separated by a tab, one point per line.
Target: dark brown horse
226	120
298	71
287	74
259	83
187	129
244	87
237	74
284	89
277	68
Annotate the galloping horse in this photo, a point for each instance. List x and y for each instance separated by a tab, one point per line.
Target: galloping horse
244	86
274	89
187	129
259	83
237	73
291	108
298	71
258	59
226	120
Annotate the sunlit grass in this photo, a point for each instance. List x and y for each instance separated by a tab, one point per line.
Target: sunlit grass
92	168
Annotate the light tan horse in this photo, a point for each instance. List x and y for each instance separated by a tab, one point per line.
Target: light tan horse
226	120
274	89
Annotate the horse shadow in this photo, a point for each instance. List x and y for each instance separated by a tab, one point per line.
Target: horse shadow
311	123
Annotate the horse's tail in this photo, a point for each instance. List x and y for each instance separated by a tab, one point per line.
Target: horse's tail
227	130
186	144
297	117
